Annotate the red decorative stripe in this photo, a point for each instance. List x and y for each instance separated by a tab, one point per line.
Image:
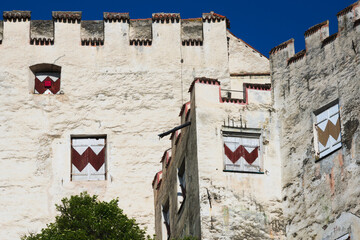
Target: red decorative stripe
40	86
241	152
233	100
204	80
177	139
185	108
96	160
157	178
254	86
80	161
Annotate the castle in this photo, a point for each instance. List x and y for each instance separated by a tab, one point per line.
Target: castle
260	150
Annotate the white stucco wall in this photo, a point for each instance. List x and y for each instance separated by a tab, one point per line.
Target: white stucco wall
129	93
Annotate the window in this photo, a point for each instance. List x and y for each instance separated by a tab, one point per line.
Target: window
181	191
47	83
242	152
45	79
327	130
88	158
166	222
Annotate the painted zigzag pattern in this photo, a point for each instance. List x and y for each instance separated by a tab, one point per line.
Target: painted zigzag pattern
241	152
53	86
89	156
330	130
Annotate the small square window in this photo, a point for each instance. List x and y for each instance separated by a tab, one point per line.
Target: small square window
47	83
88	158
327	130
242	152
181	183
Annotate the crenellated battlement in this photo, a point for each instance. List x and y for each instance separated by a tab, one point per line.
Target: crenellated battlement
317	38
139	32
41	32
282	46
166	17
67	17
316	28
13	16
116	17
92	33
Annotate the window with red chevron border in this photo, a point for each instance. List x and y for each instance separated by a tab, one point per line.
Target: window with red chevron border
45	79
242	151
47	83
327	130
88	158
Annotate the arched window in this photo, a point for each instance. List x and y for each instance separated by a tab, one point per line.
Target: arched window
47	78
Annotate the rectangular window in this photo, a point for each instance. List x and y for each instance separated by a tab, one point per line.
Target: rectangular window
327	128
88	158
47	83
181	191
242	152
166	222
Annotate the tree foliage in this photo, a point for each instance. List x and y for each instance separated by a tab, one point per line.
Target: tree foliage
83	217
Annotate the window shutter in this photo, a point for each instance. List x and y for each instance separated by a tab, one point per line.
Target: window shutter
97	159
47	83
241	153
328	130
88	158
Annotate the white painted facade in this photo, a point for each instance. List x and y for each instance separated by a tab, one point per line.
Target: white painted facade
126	93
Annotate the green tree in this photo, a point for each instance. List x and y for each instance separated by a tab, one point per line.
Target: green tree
83	217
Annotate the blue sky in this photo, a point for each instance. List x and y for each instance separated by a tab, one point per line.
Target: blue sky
262	24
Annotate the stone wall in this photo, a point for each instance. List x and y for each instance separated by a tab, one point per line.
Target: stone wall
227	204
120	77
185	217
321	195
237	205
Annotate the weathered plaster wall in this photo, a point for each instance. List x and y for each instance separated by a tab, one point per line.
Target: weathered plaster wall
186	220
128	92
317	193
251	60
237	83
236	205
